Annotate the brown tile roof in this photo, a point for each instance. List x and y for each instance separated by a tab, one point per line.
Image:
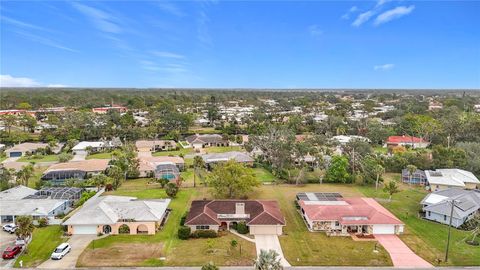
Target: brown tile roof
152	143
89	165
205	212
150	163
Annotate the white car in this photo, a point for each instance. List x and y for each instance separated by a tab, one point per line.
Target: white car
10	228
60	251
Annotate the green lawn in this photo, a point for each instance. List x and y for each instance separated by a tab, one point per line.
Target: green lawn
45	158
221	149
427	239
105	155
44	241
183	151
302	247
264	175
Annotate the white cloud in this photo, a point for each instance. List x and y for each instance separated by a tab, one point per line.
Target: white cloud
44	40
170	8
392	14
384	67
57	85
10	81
22	24
165	54
363	17
315	30
346	16
382	2
101	20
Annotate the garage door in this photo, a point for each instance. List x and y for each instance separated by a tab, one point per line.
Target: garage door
263	230
15	154
383	229
84	229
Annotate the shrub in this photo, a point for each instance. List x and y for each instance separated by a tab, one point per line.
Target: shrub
171	189
42	222
242	228
210	266
183	218
184	232
64	157
204	234
233	226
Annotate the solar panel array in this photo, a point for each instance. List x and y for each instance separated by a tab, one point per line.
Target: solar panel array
319	196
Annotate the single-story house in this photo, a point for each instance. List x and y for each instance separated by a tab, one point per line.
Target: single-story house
345	139
206	140
82	147
437	205
118	215
449	178
155	145
148	165
417	178
410	141
261	217
15	202
82	169
104	110
335	215
23	149
239	157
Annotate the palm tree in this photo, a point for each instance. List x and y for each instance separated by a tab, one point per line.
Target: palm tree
117	175
197	164
268	260
25	174
411	170
25	227
391	188
379	170
100	180
210	266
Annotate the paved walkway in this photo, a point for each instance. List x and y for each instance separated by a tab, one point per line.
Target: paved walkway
10	159
242	236
401	255
270	241
144	154
79	157
78	244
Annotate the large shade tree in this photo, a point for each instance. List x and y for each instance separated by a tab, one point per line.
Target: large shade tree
232	180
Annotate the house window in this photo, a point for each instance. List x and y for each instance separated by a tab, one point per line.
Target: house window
444	217
337	223
202	227
428	213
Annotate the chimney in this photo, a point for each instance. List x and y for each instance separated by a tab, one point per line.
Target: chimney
240	208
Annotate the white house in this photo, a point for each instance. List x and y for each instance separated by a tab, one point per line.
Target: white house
441	179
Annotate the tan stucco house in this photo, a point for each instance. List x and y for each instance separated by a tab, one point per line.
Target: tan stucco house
118	215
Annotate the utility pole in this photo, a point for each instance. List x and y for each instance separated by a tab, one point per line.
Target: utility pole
449	230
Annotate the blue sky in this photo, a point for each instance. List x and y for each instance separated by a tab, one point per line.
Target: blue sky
282	44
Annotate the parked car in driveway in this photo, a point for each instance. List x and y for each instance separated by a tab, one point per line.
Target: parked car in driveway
11	252
60	251
10	228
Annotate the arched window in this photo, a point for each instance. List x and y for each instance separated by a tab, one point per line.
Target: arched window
107	229
142	229
124	229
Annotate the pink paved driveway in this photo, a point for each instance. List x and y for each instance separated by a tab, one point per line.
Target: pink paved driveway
401	255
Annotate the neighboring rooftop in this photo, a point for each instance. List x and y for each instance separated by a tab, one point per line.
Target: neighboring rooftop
89	165
226	156
16	193
451	177
27	147
466	202
112	209
204	138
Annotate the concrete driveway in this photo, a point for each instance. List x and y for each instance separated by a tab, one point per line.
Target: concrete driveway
79	157
10	159
270	241
6	240
78	244
401	255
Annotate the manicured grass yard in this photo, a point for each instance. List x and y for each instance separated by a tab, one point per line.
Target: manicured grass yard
183	151
427	239
112	250
222	149
302	247
44	241
45	158
104	155
264	175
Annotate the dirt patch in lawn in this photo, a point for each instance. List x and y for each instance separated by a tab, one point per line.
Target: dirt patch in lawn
120	254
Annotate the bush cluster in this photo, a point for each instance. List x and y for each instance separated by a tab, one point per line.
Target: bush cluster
204	234
184	232
242	228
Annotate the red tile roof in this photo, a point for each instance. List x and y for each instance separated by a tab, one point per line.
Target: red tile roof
404	139
205	212
355	211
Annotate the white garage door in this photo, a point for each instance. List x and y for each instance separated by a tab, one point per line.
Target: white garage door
383	229
263	229
84	229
